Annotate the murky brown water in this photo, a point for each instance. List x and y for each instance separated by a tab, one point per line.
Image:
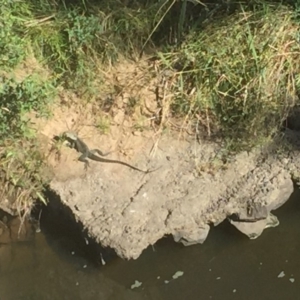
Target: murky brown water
227	266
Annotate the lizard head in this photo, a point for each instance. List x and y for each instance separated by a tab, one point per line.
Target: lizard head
71	135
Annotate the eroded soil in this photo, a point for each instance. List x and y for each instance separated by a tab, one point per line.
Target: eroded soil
192	189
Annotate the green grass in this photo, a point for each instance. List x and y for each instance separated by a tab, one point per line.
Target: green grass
23	174
22	163
243	71
18	98
75	40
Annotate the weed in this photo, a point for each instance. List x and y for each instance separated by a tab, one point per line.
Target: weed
22	174
20	98
75	40
12	44
131	104
22	164
103	124
242	69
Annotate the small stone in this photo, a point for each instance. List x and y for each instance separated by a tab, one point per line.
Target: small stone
137	133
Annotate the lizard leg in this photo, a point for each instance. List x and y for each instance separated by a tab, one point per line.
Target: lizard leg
100	152
83	158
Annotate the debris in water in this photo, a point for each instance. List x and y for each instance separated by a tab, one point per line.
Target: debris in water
218	278
292	280
73	252
85	266
136	284
281	274
234	290
177	274
158	277
102	260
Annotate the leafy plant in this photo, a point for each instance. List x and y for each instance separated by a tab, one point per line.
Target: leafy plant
12	43
20	98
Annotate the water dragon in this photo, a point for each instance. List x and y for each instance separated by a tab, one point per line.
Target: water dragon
80	146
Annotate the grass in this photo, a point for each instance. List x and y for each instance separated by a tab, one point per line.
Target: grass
242	71
21	160
73	40
22	166
103	124
234	69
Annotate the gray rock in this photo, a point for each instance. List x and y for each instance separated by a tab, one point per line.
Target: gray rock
192	237
129	211
254	229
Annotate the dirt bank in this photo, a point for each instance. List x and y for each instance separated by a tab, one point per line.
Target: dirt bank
193	189
196	186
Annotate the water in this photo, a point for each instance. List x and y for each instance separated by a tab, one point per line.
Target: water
227	266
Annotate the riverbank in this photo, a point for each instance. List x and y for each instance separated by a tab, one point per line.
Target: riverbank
209	120
128	211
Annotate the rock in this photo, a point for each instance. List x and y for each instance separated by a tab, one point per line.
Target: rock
272	188
251	213
282	193
128	211
254	229
191	237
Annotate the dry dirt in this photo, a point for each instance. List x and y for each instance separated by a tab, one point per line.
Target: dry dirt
128	211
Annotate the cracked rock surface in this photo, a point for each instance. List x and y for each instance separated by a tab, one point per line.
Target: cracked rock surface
128	211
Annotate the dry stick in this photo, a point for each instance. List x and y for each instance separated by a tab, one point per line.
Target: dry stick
38	21
27	211
19	197
187	115
162	121
208	122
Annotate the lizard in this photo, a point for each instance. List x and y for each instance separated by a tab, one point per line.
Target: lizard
80	146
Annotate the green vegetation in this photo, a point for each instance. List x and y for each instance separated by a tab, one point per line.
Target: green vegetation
234	69
244	71
22	163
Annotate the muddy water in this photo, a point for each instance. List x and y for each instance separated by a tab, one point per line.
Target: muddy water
227	266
